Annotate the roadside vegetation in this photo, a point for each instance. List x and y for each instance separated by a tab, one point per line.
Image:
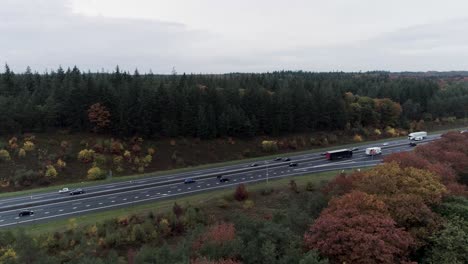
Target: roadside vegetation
68	126
413	208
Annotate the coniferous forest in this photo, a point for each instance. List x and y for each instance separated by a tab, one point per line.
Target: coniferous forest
234	104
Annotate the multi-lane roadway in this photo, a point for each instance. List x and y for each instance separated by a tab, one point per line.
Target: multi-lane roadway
49	206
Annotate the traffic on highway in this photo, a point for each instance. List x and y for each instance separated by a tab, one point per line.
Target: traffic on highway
71	202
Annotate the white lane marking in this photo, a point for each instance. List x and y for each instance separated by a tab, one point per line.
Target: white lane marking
100	203
112	201
165	194
74	208
208	184
136	197
46	212
158	193
88	205
217	183
61	210
282	171
113	197
147	195
17	217
1	220
168	191
109	206
243	178
198	186
179	190
76	203
187	188
235	180
125	199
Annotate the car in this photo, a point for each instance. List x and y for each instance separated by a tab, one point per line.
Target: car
463	131
77	191
219	177
385	144
190	180
64	190
293	164
253	165
26	213
286	159
354	149
412	144
418	138
223	179
278	159
323	154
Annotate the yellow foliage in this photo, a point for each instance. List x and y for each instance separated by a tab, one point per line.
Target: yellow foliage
28	146
95	173
248	204
141	169
86	155
51	172
357	138
147	160
7	255
136	161
92	230
61	164
151	151
12	141
377	132
391	131
21	153
269	145
118	160
127	155
72	225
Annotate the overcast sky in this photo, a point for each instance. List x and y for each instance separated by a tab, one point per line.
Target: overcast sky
216	36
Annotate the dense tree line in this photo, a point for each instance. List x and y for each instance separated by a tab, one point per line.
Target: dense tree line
210	106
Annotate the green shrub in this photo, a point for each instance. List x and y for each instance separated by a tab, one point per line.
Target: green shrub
95	173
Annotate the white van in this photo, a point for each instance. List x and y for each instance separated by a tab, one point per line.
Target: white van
417	135
373	151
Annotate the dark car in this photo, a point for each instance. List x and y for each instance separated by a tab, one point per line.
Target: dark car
412	144
77	191
223	179
186	181
26	213
278	159
253	165
286	159
293	164
354	149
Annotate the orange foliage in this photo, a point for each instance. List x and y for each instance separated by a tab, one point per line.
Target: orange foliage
99	116
357	228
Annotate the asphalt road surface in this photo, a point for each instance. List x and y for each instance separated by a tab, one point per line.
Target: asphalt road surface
49	206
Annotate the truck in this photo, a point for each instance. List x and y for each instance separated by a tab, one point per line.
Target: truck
338	154
416	136
373	151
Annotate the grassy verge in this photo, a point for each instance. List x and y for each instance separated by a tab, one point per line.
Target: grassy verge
202	199
200	167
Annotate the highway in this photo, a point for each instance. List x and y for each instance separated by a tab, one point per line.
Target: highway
49	206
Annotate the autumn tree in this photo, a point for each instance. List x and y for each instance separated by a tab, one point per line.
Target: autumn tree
357	228
99	116
241	193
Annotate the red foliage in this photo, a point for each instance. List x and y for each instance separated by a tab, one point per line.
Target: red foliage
136	148
357	228
99	116
408	159
341	184
218	234
116	147
177	210
241	193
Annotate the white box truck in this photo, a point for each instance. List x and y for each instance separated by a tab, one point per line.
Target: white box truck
373	151
416	136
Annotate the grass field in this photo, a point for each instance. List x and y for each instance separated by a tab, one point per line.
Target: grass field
205	199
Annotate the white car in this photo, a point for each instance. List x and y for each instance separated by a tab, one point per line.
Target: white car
385	144
64	190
